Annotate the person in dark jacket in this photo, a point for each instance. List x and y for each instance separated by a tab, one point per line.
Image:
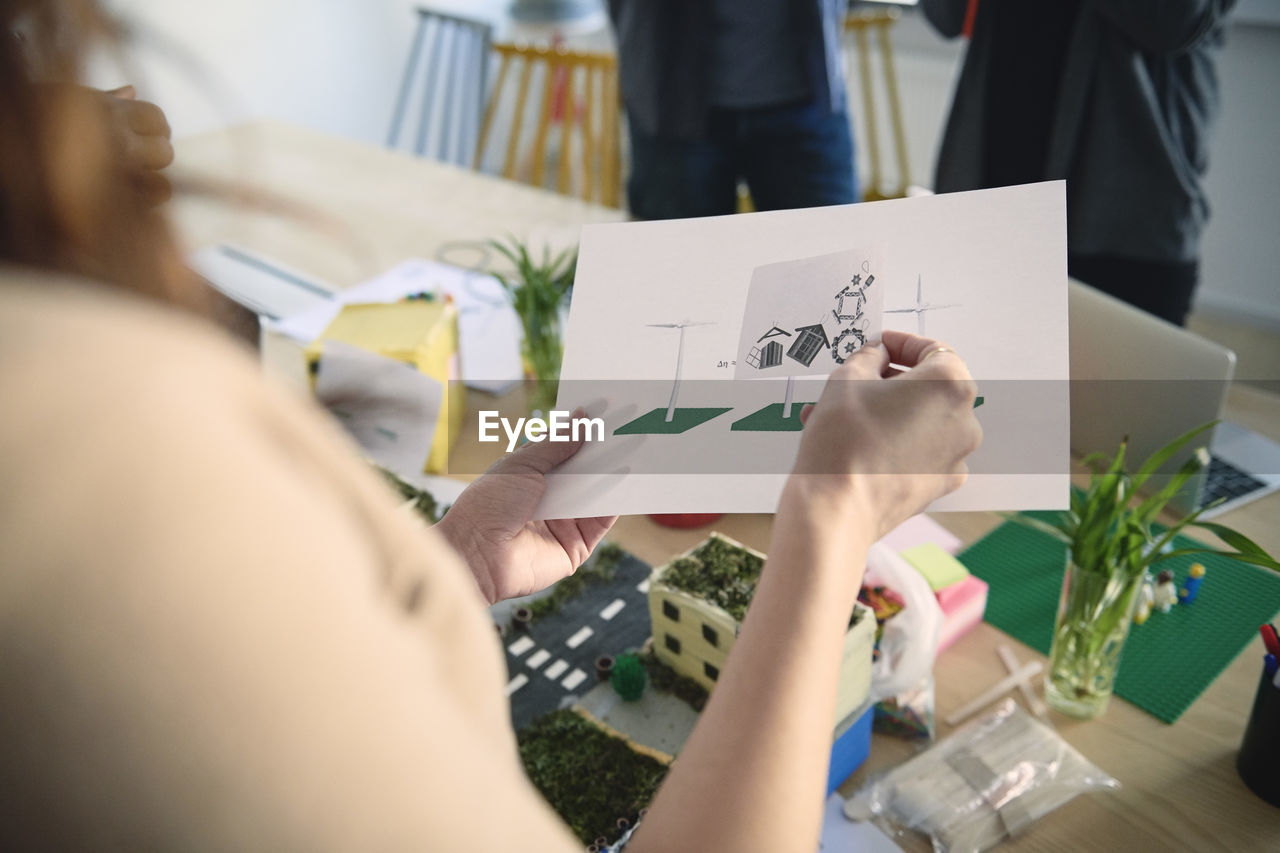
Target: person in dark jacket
1117	98
718	91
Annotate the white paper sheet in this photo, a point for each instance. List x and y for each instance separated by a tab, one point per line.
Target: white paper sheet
489	329
387	406
656	324
264	286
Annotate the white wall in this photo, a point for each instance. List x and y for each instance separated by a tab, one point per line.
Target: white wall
1240	269
333	65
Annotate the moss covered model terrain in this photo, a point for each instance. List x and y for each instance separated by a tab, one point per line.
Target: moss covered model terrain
719	573
598	570
424	503
589	777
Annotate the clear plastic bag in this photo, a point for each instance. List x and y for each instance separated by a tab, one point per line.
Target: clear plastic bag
986	782
910	638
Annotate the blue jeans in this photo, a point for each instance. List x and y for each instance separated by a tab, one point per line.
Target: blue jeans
791	156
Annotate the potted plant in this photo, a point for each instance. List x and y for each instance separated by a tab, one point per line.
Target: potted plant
1111	540
537	291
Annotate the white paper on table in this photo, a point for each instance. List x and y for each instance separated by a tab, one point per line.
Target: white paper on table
841	835
805	317
389	408
985	269
266	287
488	327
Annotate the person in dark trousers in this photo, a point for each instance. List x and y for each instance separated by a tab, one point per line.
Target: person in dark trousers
1118	98
719	91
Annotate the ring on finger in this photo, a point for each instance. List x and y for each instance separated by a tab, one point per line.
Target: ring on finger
935	351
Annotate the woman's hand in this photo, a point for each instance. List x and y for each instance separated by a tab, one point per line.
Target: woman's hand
140	141
891	442
489	525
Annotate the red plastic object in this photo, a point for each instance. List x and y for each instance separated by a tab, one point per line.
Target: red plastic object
685	520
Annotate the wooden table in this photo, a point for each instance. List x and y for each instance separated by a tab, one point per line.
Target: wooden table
351	211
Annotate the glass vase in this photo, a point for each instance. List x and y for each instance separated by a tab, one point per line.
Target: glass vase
542	352
1095	611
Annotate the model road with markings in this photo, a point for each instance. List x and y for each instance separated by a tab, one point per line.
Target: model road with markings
555	658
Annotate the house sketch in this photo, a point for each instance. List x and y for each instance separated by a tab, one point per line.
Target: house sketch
769	355
808	343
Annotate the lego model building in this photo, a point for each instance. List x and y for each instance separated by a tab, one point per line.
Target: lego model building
696	605
422	333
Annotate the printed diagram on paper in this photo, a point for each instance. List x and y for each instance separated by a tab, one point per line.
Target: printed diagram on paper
698	342
805	317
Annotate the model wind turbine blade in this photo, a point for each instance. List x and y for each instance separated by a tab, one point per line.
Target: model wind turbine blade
675	386
919	292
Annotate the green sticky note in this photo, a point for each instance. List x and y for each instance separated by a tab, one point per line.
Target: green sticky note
939	568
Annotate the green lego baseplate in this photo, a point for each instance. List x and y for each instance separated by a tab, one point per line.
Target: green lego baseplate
1170	659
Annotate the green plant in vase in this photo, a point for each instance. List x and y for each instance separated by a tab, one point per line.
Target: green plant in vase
537	290
1111	540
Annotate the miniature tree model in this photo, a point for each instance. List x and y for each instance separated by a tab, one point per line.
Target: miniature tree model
628	677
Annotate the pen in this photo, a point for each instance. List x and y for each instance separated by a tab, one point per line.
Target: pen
1269	663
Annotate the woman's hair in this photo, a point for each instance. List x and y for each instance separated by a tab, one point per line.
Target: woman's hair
67	202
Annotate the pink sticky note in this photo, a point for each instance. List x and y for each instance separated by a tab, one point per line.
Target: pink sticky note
963	605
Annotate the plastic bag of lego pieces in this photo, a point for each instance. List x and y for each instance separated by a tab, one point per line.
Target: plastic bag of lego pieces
907	715
907	640
986	782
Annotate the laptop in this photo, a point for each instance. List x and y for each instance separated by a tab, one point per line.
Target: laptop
1134	375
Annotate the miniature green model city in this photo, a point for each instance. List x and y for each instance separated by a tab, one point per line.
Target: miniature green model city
592	778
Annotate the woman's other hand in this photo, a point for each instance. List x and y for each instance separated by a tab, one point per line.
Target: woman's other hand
490	527
140	140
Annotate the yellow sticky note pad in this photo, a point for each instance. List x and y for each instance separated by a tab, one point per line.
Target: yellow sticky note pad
939	568
422	333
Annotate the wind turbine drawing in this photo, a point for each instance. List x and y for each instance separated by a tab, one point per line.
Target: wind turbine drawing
672	420
675	386
920	308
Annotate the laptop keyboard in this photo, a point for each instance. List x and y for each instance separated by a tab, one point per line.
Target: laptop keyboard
1225	481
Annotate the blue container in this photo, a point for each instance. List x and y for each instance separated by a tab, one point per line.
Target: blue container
851	747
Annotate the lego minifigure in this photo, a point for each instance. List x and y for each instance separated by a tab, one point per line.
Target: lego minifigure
1189	591
1166	595
1146	598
